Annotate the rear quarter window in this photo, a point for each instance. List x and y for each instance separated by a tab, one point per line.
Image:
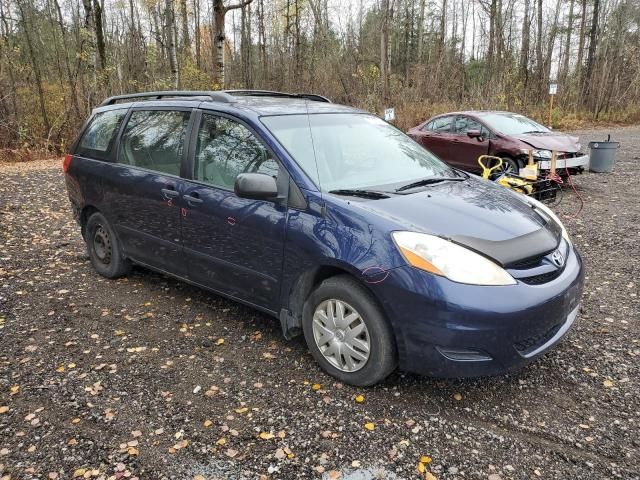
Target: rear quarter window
98	139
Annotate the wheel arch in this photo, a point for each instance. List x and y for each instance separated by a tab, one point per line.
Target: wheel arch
302	286
85	213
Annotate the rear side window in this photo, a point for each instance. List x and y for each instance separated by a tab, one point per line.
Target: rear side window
97	140
154	140
442	124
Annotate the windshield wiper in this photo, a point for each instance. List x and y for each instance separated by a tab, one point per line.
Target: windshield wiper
534	131
360	193
429	181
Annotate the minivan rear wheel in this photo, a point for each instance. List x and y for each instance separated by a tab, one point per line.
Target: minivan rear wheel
347	332
103	247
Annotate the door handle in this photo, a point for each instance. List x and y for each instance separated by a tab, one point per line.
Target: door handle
193	199
170	193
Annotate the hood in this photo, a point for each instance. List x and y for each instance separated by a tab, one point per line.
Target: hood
476	213
551	141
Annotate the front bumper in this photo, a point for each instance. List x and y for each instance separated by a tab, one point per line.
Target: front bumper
582	161
448	329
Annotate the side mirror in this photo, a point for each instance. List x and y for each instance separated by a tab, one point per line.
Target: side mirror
257	186
474	134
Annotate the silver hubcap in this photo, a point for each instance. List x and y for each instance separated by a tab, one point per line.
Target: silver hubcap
341	335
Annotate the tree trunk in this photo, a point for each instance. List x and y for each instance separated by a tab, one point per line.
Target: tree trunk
524	48
171	42
98	21
583	26
593	42
36	69
72	85
384	49
567	43
539	58
196	14
186	42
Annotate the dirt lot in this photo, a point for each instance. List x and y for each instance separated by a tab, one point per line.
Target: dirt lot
149	378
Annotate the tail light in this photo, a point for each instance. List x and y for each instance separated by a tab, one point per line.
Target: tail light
67	162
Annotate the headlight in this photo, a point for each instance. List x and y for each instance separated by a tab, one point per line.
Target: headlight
442	257
549	212
537	153
542	153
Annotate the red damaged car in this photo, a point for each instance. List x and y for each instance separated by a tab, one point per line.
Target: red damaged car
459	138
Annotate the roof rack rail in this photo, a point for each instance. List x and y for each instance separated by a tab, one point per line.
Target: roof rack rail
214	96
269	93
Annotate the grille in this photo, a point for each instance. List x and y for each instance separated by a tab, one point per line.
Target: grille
529	344
542	278
525	264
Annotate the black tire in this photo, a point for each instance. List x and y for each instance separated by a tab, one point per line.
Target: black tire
382	358
104	249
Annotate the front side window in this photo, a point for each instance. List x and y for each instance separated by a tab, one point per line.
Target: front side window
465	124
227	148
97	140
354	150
154	140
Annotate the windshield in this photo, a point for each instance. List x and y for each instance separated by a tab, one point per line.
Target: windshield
512	123
354	151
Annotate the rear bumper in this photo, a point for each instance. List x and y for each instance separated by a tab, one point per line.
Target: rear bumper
447	329
582	161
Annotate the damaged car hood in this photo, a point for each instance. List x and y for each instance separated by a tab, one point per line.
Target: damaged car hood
550	141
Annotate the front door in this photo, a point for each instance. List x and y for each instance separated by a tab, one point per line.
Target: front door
143	188
466	150
232	244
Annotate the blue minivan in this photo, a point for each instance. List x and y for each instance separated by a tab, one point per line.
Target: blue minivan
331	220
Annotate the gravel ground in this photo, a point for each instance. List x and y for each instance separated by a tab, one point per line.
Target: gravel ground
149	378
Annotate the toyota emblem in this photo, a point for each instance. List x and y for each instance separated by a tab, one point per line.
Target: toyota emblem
557	258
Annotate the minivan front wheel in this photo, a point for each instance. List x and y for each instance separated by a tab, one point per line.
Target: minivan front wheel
347	333
104	250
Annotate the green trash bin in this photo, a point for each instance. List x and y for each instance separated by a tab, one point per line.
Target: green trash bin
603	156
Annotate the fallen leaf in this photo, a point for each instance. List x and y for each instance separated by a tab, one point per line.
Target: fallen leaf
266	436
359	398
608	383
230	452
199	477
220	341
207	423
316	386
241	410
221	441
75	421
425	459
133	451
79	472
4	409
429	476
457	396
369	426
15	389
